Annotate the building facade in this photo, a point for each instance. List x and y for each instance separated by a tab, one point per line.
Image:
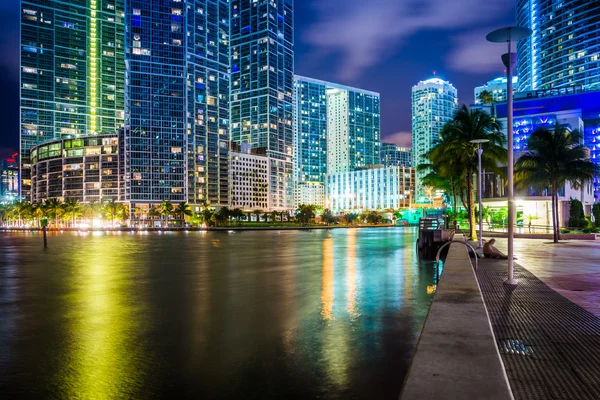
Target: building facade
434	102
87	168
369	189
9	179
72	71
393	155
249	177
563	50
177	137
579	111
353	128
497	88
262	86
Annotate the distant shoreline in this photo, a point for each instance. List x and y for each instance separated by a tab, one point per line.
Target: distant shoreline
198	229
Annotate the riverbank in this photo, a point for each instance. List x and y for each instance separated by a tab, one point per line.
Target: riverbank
197	229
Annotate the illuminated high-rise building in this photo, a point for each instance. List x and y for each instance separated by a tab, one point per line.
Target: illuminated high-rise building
177	138
393	155
262	85
72	71
563	50
353	129
336	128
434	102
495	87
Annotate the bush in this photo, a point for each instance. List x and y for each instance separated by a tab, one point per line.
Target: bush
596	213
576	214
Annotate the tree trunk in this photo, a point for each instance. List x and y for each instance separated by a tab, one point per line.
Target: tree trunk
554	217
556	214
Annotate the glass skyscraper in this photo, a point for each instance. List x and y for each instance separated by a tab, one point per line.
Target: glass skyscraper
564	49
434	102
177	138
262	85
310	121
72	71
353	128
393	155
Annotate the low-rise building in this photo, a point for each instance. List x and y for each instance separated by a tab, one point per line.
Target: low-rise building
85	168
373	188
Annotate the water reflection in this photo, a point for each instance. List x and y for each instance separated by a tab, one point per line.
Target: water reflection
323	314
102	360
327	282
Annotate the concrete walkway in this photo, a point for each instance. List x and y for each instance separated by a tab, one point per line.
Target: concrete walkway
456	357
571	268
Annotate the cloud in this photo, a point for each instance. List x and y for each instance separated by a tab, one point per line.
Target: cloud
399	138
362	32
473	53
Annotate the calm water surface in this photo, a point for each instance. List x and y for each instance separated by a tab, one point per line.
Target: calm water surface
291	314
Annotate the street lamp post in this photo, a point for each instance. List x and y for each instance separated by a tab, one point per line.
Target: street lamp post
479	142
508	35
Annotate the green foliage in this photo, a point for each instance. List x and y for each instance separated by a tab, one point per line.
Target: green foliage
596	213
305	213
576	214
328	217
555	157
453	162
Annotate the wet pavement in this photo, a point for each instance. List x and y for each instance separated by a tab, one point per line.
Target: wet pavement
571	268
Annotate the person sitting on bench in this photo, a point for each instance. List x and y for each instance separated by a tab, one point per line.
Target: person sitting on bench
489	251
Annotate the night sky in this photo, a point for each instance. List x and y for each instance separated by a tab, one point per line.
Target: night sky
385	46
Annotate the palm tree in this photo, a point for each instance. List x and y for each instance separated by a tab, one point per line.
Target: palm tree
111	210
38	212
183	210
54	209
554	157
257	213
487	97
455	157
72	208
238	214
21	209
93	209
166	210
153	213
123	212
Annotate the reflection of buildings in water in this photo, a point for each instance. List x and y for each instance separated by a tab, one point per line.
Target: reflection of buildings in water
351	275
103	325
327	280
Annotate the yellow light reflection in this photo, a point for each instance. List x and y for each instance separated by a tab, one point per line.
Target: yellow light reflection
351	275
105	359
327	280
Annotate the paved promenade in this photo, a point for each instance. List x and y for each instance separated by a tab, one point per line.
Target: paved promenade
550	345
456	357
570	268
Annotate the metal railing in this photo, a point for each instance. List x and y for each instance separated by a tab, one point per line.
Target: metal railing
437	257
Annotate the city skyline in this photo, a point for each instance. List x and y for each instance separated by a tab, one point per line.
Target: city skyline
316	61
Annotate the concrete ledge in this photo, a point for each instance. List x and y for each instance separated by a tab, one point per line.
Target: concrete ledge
546	236
457	357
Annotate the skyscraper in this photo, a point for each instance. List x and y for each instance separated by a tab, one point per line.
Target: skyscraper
177	138
564	49
393	155
262	85
353	128
335	126
72	69
434	102
496	87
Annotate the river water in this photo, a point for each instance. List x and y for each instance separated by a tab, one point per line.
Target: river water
256	315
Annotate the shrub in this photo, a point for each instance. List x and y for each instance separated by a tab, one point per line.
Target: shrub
576	214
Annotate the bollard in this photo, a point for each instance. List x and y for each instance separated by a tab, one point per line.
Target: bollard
44	223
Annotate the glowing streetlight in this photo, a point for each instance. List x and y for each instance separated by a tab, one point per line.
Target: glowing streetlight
479	142
508	35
